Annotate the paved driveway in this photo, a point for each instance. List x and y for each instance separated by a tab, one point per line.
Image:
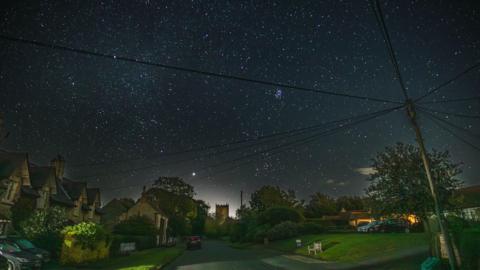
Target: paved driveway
217	255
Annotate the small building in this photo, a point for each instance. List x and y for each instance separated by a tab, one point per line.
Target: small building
221	213
113	210
144	207
469	202
351	218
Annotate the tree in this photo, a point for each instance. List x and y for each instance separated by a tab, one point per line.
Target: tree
21	211
276	215
175	185
175	198
198	223
321	205
272	196
44	228
350	203
399	184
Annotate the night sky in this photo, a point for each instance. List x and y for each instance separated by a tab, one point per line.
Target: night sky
108	117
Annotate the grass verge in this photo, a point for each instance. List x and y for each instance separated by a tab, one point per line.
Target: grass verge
141	260
353	247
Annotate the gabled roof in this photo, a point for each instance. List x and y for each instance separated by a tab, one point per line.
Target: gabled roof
154	205
74	188
39	176
9	161
470	196
92	194
62	196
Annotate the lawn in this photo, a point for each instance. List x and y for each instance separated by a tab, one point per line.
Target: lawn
142	260
354	247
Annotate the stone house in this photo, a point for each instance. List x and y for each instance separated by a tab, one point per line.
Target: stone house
82	203
113	210
351	218
45	186
14	181
144	207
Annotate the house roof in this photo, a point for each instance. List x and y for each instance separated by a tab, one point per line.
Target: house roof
92	194
470	196
62	196
39	176
73	188
9	161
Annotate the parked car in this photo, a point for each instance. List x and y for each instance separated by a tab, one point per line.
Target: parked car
28	246
194	242
393	225
370	227
18	259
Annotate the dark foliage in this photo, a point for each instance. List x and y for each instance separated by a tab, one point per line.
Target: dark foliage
139	225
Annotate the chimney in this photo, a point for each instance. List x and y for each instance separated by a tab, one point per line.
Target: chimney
59	163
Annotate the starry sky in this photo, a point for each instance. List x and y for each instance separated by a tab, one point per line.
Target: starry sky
114	121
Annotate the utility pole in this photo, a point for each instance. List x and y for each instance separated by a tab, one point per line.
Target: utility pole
241	199
426	164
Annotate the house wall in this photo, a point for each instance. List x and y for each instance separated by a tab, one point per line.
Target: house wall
143	208
20	176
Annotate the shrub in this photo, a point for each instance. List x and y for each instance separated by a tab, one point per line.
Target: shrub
469	246
44	227
311	228
276	215
283	230
83	243
139	225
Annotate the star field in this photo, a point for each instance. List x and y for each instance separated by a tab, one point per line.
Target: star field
108	117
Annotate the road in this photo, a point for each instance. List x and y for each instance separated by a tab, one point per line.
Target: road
217	255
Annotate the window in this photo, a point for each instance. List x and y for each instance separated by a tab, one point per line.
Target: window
11	191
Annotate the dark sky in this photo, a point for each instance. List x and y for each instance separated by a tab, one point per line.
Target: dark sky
124	115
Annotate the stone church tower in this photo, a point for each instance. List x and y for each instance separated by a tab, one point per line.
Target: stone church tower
221	212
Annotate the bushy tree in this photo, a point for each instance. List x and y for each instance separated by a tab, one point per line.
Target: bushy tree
21	211
272	196
350	203
321	205
175	185
275	215
399	184
44	228
175	198
198	223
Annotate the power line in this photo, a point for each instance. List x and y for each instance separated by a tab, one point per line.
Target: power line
294	132
190	159
433	90
190	70
388	43
469	132
450	114
451	100
439	124
305	140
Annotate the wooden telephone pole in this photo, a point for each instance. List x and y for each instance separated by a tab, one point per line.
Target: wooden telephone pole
426	164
